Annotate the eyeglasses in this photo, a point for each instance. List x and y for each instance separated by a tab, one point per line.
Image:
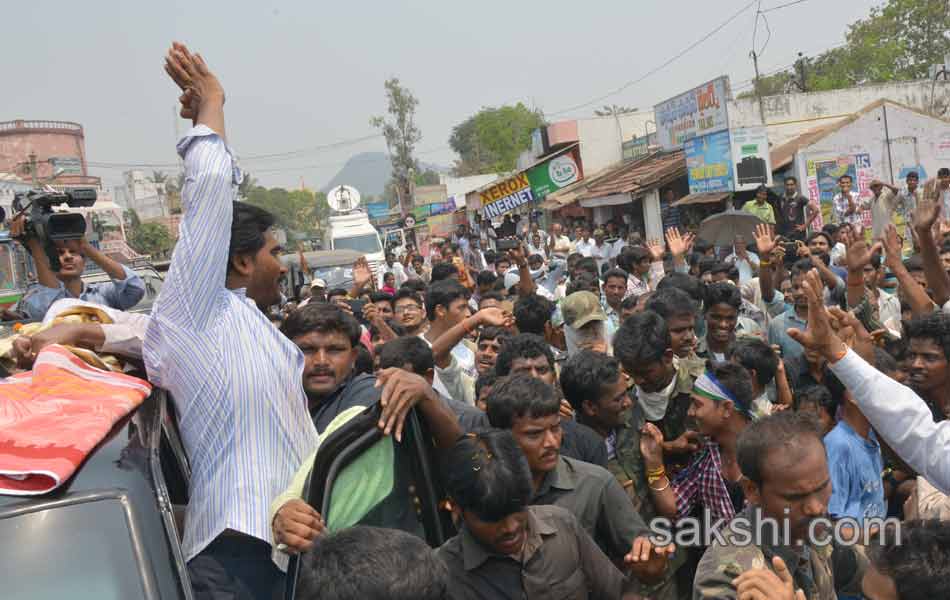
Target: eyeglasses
406	308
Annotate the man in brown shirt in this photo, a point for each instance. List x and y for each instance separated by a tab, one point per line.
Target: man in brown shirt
507	549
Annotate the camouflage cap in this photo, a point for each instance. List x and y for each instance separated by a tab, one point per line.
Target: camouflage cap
580	308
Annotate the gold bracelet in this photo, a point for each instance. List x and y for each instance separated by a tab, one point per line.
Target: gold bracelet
657	471
662	488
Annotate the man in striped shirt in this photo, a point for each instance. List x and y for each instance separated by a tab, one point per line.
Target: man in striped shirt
235	379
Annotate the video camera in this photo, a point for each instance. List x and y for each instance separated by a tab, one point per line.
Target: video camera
48	226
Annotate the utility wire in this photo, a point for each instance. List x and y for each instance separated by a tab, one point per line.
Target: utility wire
656	69
780	6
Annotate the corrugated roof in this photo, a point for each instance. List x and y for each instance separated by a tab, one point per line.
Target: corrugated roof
645	174
703	198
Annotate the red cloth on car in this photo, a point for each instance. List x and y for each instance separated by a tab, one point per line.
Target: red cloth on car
54	415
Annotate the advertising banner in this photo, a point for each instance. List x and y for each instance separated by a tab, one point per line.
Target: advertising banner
506	196
637	148
709	163
377	210
822	181
752	165
550	176
698	112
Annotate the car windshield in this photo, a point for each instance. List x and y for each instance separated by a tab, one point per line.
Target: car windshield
105	569
365	244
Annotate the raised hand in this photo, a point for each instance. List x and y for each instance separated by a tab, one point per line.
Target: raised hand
893	246
362	273
651	445
764	241
517	255
678	243
858	254
495	317
926	215
655	247
198	84
819	336
401	391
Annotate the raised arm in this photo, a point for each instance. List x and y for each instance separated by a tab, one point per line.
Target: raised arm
917	296
764	245
199	263
937	277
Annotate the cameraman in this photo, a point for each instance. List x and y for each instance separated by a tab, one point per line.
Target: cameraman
122	293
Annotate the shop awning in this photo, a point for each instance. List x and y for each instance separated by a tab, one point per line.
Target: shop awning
639	177
704	198
612	200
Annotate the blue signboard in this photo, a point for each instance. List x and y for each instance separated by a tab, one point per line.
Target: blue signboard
377	210
709	163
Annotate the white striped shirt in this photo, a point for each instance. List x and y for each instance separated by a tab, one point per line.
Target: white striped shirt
235	379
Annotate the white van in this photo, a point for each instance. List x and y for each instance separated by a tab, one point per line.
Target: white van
353	231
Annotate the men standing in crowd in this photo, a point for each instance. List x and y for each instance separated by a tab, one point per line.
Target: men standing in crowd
392	266
847	206
907	200
883	202
760	206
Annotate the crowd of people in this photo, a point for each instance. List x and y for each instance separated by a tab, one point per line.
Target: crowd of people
586	391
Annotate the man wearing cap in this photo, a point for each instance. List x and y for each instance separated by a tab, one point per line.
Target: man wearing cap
586	323
760	206
883	204
318	291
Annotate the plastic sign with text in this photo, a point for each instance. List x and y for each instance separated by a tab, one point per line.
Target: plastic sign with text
552	175
698	112
506	196
709	163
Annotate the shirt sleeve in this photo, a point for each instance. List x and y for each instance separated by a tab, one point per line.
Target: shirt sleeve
125	293
199	263
657	272
459	386
38	299
620	523
603	578
900	417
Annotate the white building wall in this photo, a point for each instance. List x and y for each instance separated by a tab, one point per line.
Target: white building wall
790	115
601	138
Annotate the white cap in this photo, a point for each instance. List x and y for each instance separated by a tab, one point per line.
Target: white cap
318	283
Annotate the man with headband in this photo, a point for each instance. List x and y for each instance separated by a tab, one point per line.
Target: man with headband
721	403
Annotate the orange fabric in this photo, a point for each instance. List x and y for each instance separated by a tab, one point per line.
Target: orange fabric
54	415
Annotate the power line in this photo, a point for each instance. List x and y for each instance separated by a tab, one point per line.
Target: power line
780	6
658	68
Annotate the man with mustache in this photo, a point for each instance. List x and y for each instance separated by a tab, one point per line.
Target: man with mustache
529	408
928	360
785	477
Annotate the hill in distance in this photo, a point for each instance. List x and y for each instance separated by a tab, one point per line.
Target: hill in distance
368	172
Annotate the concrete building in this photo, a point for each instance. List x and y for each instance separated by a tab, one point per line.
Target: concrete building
142	195
58	148
790	115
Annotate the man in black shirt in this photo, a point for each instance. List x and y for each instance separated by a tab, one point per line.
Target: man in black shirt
794	224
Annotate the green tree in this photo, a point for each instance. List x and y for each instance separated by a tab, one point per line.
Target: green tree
299	211
491	140
151	238
401	135
427	177
897	41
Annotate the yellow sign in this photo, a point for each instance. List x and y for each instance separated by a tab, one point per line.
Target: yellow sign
505	188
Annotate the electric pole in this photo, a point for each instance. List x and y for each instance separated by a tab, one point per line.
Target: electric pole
758	88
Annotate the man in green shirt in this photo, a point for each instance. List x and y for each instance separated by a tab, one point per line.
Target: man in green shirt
760	206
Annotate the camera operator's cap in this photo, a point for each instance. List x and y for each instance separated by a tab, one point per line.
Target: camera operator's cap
318	283
580	308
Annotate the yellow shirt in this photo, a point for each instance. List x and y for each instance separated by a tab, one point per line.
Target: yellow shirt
763	211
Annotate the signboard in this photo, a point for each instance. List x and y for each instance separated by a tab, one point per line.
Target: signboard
550	176
377	210
637	148
429	194
822	182
698	112
506	196
752	165
69	165
709	163
443	207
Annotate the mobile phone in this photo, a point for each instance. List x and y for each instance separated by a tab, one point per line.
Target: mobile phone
506	244
357	307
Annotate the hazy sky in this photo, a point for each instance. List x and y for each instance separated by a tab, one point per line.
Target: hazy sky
303	74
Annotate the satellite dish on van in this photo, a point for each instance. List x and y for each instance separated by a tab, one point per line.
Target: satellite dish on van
343	198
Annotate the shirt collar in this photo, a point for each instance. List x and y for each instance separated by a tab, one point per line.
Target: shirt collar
474	553
561	478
